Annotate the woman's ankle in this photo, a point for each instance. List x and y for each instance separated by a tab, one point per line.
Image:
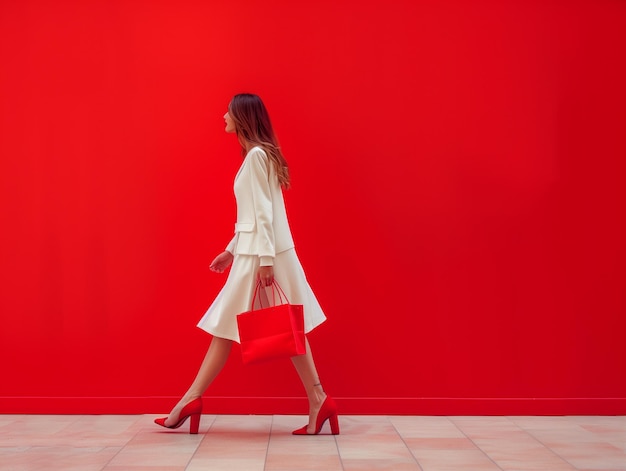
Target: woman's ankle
317	396
186	399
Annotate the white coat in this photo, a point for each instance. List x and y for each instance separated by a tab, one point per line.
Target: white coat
262	238
262	228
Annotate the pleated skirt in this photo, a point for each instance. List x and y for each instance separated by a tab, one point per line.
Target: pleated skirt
220	320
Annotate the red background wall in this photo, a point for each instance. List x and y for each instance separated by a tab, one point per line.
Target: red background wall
458	201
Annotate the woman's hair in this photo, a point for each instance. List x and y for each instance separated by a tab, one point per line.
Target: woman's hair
252	123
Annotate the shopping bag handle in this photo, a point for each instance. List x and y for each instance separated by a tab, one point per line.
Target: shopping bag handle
281	294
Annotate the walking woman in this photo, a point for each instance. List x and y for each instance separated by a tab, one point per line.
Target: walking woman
261	250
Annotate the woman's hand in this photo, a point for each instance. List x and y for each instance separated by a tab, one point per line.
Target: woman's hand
265	275
221	262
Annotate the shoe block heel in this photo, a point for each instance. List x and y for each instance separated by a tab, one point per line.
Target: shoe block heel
195	424
334	424
328	411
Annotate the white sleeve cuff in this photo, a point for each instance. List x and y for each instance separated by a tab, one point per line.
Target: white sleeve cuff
267	261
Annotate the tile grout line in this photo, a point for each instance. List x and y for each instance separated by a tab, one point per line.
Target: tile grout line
269	438
338	450
407	446
204	437
475	444
543	444
139	417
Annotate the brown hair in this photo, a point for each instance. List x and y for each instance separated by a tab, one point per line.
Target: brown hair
252	123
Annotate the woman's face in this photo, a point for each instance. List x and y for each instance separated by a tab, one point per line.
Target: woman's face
230	124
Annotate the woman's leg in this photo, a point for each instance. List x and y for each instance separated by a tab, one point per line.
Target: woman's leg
305	366
212	364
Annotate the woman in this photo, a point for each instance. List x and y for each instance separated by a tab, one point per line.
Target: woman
261	250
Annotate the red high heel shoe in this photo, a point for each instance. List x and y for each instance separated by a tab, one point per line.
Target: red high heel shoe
193	410
328	411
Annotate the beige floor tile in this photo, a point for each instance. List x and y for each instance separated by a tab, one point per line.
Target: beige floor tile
426	427
439	444
233	443
530	458
145	468
293	462
448	460
226	464
372	447
241	423
232	446
380	464
602	469
58	458
601	424
288	452
158	447
382	448
265	443
618	443
591	455
488	427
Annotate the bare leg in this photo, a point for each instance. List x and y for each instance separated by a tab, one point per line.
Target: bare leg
212	364
305	366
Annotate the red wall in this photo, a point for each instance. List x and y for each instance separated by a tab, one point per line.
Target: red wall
458	201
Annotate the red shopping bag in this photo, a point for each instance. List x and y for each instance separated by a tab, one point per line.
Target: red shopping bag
272	332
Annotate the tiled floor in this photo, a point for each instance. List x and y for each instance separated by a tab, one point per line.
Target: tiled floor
251	443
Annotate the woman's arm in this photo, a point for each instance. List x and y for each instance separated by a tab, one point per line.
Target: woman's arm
221	262
263	210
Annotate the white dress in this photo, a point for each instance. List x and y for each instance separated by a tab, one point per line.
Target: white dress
256	176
